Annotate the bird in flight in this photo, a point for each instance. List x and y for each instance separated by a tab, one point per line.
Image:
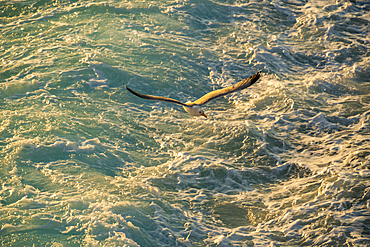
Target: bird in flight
194	108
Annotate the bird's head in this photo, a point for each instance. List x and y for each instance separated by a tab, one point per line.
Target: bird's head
201	113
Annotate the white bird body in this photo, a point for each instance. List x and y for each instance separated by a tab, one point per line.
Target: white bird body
193	108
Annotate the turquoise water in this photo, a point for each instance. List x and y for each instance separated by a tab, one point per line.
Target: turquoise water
85	163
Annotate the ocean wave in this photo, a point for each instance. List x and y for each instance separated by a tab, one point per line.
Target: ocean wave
285	162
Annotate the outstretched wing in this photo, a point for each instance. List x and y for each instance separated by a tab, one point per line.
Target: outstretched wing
151	97
221	92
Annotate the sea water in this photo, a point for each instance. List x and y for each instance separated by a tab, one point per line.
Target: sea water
283	163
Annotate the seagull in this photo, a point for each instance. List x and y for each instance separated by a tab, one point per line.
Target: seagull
194	108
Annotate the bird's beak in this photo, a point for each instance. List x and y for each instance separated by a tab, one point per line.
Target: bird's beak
204	115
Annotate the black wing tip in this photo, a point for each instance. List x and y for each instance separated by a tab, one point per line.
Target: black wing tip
133	92
254	78
248	81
